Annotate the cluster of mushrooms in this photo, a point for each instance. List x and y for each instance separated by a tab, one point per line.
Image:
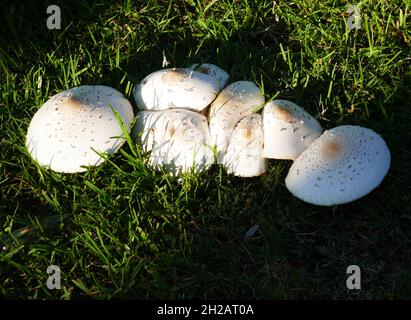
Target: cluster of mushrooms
189	118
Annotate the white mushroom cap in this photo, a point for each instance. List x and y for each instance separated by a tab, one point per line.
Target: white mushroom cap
288	130
220	75
235	102
344	164
244	155
176	88
178	140
66	129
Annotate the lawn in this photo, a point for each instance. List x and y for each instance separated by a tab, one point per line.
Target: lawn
122	230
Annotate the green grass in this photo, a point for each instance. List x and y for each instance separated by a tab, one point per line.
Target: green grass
124	231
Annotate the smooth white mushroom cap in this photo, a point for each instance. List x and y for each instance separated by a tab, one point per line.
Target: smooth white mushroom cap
344	164
220	75
176	88
178	140
64	131
288	130
236	101
244	155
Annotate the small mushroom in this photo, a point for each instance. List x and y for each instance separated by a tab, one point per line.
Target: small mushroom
235	102
344	164
176	88
288	130
178	140
64	131
244	155
214	71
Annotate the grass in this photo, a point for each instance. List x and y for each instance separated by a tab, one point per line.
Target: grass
124	231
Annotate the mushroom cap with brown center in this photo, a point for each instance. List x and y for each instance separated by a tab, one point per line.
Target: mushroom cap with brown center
288	129
236	101
344	164
176	88
64	131
244	155
178	140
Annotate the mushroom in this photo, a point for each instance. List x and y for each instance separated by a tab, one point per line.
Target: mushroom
214	71
244	155
288	130
65	132
176	88
344	164
235	102
177	139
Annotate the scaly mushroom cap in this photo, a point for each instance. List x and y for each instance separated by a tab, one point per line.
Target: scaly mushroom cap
244	155
288	130
176	88
344	164
178	140
235	102
63	132
220	75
